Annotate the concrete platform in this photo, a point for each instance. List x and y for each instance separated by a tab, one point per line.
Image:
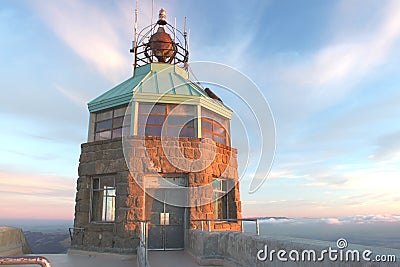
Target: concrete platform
156	259
171	259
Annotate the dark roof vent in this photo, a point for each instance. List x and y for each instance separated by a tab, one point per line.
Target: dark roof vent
212	95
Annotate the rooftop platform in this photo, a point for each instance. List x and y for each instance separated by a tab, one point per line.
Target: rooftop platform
83	259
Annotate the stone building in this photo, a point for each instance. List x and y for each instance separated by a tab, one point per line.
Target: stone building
158	151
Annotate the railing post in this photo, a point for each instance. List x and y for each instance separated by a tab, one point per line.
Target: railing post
242	225
209	225
257	227
142	253
202	227
145	243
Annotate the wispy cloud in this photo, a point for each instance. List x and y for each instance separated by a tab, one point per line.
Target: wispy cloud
25	195
75	97
91	31
388	147
352	58
309	82
357	219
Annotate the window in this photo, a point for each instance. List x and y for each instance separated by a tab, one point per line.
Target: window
112	123
167	120
103	199
214	127
221	198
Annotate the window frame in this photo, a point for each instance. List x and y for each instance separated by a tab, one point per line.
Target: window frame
103	215
210	117
165	126
223	190
114	127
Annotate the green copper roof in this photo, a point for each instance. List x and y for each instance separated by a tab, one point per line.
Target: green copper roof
155	78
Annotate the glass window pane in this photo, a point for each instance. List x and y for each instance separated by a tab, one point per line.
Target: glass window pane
187	132
206	124
181	110
117	133
118	122
101	116
142	119
103	125
218	129
192	123
205	134
110	191
97	205
141	130
159	109
151	119
180	121
120	112
159	120
153	130
147	108
108	208
225	124
219	140
173	131
225	185
205	113
103	199
217	184
103	135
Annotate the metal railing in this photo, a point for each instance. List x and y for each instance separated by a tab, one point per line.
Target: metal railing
142	257
71	231
42	261
208	223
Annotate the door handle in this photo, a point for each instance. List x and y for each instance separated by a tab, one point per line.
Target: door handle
164	218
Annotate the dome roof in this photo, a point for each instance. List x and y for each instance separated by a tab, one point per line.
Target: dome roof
157	82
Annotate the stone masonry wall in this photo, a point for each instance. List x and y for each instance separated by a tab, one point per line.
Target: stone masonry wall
236	249
200	159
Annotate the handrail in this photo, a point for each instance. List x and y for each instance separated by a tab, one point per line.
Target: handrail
208	221
142	259
42	261
74	228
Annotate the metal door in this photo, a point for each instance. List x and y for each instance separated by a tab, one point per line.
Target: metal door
166	230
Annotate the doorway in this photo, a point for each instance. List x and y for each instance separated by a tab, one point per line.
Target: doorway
166	227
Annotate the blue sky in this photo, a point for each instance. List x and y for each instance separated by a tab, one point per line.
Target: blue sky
329	70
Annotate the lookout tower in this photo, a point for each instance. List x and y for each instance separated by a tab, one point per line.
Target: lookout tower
159	152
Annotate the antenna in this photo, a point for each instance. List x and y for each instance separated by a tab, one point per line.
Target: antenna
185	64
188	35
134	43
174	29
152	13
136	24
184	27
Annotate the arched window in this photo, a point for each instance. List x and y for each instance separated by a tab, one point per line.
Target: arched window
215	127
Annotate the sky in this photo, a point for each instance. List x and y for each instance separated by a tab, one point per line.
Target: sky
329	70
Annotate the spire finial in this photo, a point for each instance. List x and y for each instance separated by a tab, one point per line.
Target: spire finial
162	16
